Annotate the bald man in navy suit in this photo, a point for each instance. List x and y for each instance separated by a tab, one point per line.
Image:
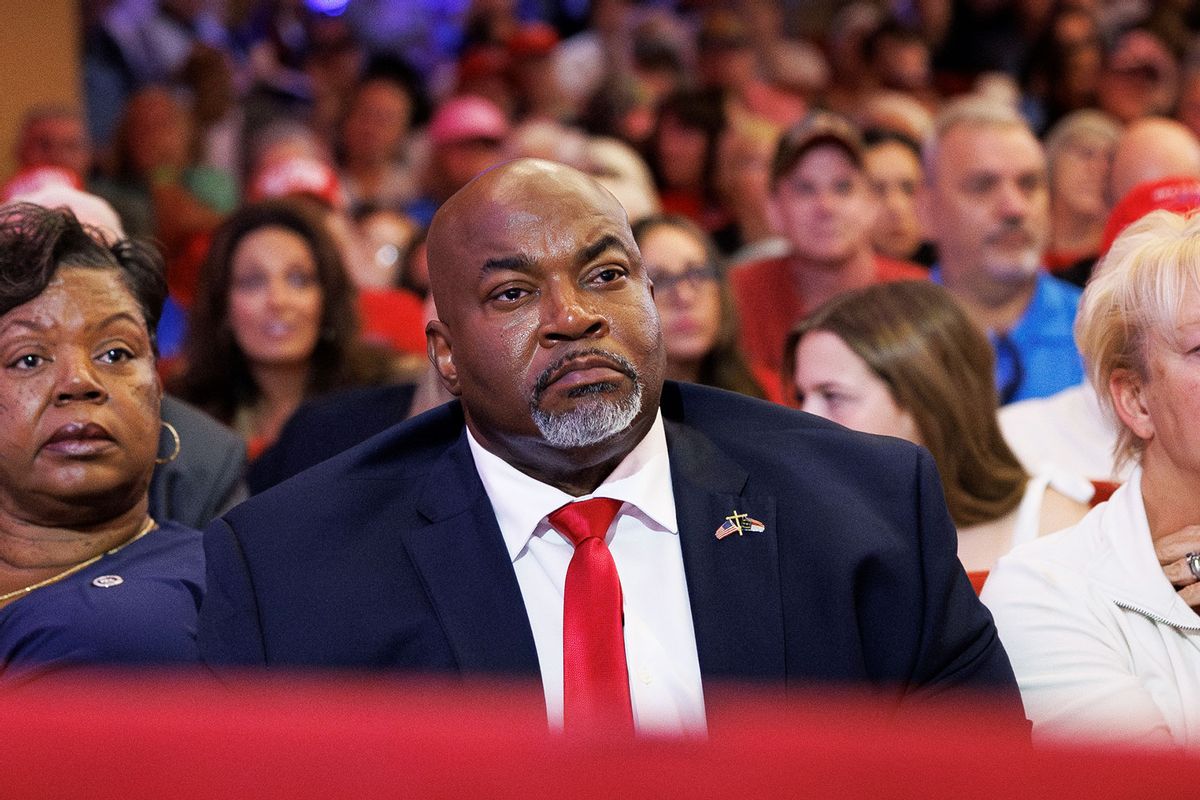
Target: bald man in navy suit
753	542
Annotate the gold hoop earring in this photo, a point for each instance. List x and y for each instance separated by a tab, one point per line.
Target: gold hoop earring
174	435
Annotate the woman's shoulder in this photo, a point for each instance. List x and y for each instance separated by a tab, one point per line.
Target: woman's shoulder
1059	511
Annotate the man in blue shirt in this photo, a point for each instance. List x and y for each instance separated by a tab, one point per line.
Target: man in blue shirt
987	207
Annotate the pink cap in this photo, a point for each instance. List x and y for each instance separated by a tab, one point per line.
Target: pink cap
467	117
299	175
1169	194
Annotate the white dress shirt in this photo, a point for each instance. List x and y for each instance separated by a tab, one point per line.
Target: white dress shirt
660	643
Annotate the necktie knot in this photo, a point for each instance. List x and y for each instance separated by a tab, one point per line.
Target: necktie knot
585	519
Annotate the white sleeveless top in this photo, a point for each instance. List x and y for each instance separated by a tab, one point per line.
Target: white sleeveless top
1029	512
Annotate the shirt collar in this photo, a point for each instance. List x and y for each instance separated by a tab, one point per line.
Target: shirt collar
521	503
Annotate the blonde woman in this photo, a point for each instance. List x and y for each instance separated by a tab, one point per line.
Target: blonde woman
1100	620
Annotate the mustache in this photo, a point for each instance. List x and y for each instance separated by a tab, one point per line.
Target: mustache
547	376
1009	228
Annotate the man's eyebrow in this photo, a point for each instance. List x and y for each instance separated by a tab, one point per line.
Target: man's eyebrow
506	264
607	242
520	263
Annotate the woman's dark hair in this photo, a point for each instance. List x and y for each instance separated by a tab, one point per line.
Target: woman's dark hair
35	242
724	366
703	110
217	376
1048	62
403	74
386	78
939	368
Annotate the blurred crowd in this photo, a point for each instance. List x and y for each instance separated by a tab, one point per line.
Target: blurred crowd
880	212
287	156
370	113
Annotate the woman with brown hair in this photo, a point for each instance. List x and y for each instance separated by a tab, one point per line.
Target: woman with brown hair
902	359
274	322
694	305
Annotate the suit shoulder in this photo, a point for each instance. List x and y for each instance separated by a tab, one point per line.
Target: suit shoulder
400	455
389	403
767	437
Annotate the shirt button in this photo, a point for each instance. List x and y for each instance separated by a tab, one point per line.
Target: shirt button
644	676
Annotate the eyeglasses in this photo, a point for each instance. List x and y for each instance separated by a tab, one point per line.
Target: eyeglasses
695	276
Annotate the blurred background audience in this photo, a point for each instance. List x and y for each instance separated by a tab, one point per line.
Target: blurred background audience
995	148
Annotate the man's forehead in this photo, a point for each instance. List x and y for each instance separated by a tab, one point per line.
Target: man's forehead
513	199
977	139
987	148
537	233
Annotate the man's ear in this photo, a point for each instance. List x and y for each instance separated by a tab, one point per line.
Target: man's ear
440	350
1127	389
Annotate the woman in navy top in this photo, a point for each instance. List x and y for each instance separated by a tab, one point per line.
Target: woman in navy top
86	576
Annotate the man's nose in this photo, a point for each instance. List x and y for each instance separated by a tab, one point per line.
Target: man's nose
826	201
78	381
1014	201
569	313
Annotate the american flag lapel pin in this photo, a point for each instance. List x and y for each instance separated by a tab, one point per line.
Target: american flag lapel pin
740	524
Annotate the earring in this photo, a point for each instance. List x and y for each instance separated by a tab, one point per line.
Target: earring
174	435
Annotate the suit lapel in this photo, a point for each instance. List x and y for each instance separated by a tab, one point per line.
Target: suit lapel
733	582
468	575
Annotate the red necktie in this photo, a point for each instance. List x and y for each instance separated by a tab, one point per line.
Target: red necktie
595	678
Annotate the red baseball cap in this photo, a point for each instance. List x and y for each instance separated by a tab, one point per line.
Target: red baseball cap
34	179
532	40
1169	194
299	175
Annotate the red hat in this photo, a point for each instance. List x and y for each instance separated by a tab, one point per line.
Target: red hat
299	175
467	117
34	179
481	62
1169	194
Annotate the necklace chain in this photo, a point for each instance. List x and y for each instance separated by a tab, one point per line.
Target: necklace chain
147	526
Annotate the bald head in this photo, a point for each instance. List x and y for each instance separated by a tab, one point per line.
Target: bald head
1150	149
505	196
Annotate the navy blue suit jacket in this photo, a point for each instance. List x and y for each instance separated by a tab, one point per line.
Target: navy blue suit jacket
390	556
